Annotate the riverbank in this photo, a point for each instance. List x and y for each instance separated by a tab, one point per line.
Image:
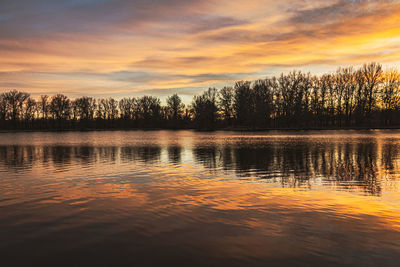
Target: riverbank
233	129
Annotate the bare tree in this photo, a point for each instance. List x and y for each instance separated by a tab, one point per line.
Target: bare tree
175	106
85	107
60	107
226	97
15	101
3	107
263	91
127	107
346	81
30	109
44	106
111	108
205	108
243	102
390	94
149	108
372	73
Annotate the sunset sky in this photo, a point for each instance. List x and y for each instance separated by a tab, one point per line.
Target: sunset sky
158	47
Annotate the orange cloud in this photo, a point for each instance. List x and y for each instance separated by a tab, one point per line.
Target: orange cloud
204	43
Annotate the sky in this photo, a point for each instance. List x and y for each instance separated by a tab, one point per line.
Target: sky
122	48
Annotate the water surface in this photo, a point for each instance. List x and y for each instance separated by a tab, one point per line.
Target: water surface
152	198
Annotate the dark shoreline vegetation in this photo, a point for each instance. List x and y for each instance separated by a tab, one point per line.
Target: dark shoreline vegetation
350	98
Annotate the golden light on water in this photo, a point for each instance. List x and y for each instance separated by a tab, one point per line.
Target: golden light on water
222	196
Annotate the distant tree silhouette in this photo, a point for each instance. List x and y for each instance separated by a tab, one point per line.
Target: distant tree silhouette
263	94
243	103
390	96
44	106
30	109
3	108
15	102
350	97
372	76
226	98
175	109
127	107
205	108
60	109
149	111
85	108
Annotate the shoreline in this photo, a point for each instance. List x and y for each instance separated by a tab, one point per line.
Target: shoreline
227	129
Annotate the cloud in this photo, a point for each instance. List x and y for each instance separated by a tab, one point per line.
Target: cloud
45	18
121	47
334	12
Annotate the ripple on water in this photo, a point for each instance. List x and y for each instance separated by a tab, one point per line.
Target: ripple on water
224	198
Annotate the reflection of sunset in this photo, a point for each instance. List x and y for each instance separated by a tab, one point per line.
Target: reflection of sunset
266	212
218	196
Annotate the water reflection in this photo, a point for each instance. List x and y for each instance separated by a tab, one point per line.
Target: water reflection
294	165
147	154
184	198
174	154
297	163
20	157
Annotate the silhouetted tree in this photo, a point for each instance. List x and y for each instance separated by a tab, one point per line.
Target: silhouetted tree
44	106
60	107
390	95
14	102
372	73
366	96
243	103
204	108
263	92
175	109
127	107
290	96
30	109
345	88
226	98
3	107
149	108
85	107
111	109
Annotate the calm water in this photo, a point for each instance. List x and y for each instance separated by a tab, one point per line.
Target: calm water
200	199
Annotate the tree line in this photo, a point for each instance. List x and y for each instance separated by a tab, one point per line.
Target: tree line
366	96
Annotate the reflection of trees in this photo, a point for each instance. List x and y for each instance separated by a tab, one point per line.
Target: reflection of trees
206	155
293	163
60	155
174	154
388	153
17	156
146	154
107	154
346	165
23	157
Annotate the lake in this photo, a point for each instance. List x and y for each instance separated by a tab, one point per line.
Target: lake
186	198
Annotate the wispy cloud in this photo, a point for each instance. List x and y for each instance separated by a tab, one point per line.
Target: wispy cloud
124	47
